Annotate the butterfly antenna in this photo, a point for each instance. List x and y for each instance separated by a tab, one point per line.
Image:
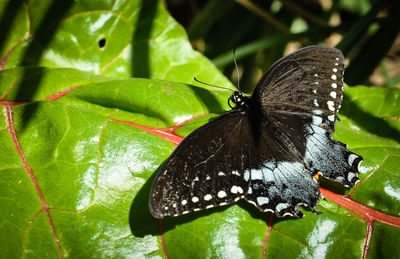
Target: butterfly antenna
237	68
201	82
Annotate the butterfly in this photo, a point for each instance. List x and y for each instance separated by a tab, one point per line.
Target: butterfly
269	149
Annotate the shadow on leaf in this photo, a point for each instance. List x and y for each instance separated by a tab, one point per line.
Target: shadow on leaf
208	99
40	41
369	122
141	39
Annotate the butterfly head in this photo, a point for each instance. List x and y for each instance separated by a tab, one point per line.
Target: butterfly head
237	98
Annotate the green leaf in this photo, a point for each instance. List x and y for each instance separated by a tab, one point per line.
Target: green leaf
93	172
81	146
141	40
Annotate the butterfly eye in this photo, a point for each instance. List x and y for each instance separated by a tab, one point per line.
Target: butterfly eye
236	98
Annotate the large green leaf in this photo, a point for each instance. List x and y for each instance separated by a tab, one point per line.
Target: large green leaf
141	39
80	149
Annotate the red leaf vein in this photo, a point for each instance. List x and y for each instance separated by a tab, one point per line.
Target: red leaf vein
268	234
45	207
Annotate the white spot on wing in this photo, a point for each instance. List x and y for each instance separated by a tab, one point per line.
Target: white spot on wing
340	179
318	112
221	194
331	105
234	189
317	120
246	175
207	197
256	175
334	85
333	94
195	199
331	118
235	173
350	176
221	174
281	206
334	77
184	202
262	200
351	159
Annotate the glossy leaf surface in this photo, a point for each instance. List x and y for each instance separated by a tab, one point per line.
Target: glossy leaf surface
79	149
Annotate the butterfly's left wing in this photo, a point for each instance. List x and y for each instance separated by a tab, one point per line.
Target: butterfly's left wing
300	95
230	158
206	170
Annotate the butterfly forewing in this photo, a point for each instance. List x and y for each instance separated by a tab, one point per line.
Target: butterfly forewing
301	94
308	81
205	170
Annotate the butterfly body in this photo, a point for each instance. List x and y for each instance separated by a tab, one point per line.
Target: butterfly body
268	148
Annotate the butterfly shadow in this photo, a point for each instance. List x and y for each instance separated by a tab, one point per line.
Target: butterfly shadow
171	222
264	216
369	122
333	186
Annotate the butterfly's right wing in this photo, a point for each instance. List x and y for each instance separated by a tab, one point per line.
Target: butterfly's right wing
279	181
300	95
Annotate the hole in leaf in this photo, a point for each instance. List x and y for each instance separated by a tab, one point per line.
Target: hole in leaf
102	43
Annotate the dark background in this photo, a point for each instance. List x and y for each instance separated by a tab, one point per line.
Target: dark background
262	31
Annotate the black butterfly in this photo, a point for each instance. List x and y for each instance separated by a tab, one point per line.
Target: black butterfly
269	149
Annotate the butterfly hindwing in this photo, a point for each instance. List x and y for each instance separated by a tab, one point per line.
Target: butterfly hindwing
331	157
280	187
279	181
